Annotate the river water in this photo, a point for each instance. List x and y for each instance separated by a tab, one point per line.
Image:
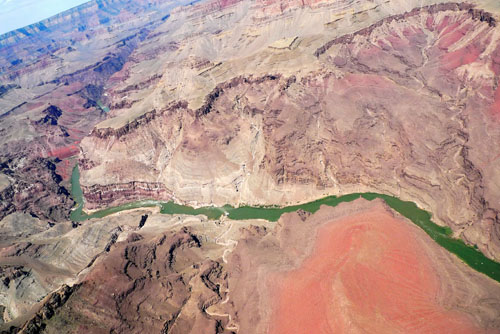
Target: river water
442	235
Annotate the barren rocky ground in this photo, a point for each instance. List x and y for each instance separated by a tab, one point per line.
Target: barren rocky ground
258	103
355	268
419	121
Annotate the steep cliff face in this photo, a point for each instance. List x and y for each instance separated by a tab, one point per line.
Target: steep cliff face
112	195
54	76
404	106
249	102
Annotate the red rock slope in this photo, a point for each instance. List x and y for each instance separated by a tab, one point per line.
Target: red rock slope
355	268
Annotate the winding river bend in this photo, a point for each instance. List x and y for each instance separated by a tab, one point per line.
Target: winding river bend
442	235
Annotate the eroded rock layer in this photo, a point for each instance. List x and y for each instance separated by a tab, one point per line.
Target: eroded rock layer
250	102
156	274
352	268
158	285
406	106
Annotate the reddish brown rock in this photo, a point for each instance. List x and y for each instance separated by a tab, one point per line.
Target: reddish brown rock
352	120
351	269
98	196
154	284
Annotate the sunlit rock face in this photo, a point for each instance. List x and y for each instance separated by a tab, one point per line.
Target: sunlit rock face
405	105
250	102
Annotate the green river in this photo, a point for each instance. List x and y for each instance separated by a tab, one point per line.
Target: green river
442	235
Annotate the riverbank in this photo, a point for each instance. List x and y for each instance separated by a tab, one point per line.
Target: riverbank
442	235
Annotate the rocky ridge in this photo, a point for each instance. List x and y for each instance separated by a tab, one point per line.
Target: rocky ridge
281	139
169	279
247	102
55	74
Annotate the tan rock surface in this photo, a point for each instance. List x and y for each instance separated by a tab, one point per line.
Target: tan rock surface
250	102
402	107
166	276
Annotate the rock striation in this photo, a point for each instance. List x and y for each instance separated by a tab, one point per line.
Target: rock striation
349	120
249	102
161	284
112	195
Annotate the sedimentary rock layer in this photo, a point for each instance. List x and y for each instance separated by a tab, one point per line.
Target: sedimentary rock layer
54	76
114	194
156	284
405	107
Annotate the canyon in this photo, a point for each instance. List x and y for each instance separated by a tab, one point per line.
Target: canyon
260	104
334	126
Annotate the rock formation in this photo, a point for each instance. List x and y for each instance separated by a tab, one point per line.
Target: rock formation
53	76
350	119
265	102
188	275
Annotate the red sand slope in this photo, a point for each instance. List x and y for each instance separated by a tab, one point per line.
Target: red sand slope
369	273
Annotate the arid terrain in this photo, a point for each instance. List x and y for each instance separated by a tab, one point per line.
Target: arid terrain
333	125
356	268
260	103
